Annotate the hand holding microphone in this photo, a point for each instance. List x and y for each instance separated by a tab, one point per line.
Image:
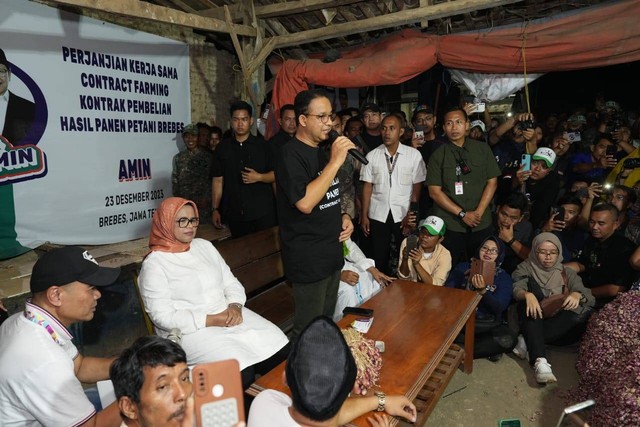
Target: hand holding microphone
353	152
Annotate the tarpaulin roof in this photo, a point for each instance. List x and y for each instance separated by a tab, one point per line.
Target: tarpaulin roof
598	36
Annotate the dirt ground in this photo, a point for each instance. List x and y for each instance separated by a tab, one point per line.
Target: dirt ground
506	390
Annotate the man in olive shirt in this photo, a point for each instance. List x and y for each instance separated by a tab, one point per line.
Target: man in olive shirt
462	179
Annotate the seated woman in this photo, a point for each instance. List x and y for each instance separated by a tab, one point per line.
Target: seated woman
541	276
430	261
185	284
493	338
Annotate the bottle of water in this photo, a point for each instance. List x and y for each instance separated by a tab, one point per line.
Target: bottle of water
175	335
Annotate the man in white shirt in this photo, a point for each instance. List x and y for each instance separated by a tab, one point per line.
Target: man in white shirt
321	372
41	371
359	279
392	180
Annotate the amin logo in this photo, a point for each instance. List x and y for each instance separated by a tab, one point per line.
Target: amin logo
20	163
134	170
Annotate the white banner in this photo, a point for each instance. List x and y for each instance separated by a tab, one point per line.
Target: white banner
90	145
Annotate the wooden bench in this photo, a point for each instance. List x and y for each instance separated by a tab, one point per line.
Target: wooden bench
255	260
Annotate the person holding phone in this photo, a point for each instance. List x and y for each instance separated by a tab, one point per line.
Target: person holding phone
565	223
541	183
492	336
594	166
428	262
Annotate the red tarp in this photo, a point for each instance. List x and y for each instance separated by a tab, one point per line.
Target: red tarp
594	37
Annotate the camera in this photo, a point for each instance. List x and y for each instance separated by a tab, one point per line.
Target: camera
631	163
526	124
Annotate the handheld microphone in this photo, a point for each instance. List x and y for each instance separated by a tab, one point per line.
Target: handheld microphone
353	152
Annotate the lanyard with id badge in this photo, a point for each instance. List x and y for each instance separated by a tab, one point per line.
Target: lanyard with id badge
461	169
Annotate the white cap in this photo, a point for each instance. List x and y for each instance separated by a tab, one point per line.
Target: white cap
546	154
478	123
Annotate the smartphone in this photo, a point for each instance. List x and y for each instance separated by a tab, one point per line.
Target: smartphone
419	135
358	311
611	150
509	423
412	243
560	213
413	207
526	162
218	394
487	269
480	107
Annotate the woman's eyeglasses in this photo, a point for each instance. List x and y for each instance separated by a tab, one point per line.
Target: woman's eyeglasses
547	253
185	222
490	251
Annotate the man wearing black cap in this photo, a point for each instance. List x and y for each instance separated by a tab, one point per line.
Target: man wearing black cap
16	113
320	373
41	370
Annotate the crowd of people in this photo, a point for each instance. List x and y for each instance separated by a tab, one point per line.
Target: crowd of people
549	202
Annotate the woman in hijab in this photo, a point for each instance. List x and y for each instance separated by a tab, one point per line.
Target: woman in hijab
492	336
186	285
539	277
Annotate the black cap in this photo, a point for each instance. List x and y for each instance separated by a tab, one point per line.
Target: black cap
62	266
371	107
3	59
320	370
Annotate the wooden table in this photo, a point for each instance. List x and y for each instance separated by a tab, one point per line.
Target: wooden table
418	324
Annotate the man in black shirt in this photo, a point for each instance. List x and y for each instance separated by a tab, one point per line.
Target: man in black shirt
604	262
288	127
242	175
372	119
312	226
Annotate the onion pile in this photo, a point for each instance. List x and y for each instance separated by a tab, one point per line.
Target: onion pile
609	363
367	357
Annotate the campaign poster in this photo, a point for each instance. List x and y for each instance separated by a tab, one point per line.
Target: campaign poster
90	115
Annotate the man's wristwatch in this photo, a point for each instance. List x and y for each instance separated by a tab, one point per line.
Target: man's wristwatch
462	214
381	400
510	242
236	305
214	209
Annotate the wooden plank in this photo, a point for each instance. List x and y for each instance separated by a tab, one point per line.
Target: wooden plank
244	250
152	12
256	275
275	305
278	8
405	17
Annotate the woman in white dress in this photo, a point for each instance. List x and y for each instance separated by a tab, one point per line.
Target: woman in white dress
186	284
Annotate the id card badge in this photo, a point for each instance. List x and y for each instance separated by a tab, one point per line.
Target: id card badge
459	190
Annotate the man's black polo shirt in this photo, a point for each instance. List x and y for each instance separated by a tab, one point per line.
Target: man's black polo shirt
607	262
244	202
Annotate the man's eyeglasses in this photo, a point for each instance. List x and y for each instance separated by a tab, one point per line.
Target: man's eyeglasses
547	253
324	118
490	251
185	222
